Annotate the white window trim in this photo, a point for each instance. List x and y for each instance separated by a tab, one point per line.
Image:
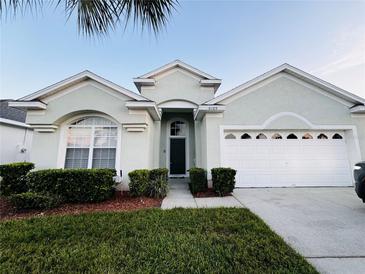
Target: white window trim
63	140
169	137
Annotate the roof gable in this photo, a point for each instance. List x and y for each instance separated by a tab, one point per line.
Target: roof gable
178	64
148	79
78	78
304	76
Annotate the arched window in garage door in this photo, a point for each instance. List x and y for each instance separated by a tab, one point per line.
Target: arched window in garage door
246	136
337	136
261	136
292	136
307	136
322	136
230	136
276	136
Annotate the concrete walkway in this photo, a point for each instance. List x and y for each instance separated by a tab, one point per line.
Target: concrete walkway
180	196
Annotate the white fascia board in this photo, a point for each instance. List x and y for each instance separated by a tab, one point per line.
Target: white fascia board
358	109
139	82
177	63
35	105
44	128
215	83
145	82
135	127
203	109
76	79
149	106
210	82
13	123
297	73
323	84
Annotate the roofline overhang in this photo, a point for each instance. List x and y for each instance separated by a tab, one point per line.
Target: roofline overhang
149	106
203	109
359	109
75	79
304	76
31	105
13	123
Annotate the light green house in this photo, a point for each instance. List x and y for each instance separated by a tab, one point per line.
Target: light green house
283	128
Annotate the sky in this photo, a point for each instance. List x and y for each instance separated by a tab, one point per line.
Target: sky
231	40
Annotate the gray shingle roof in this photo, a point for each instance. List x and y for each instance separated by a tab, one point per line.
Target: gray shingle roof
11	113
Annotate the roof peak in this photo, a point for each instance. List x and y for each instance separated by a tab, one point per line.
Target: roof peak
172	65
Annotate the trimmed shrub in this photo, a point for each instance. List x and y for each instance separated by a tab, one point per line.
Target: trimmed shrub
223	180
158	183
198	180
74	185
139	182
32	200
13	177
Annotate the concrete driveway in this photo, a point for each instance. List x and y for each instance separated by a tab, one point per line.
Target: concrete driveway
325	225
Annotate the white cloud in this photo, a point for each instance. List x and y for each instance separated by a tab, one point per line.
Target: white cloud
346	67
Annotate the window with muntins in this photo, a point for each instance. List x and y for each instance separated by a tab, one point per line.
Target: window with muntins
178	128
91	143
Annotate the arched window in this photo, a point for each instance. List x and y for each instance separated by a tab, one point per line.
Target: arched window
246	136
322	136
178	128
261	136
337	136
91	143
276	136
307	136
292	136
230	136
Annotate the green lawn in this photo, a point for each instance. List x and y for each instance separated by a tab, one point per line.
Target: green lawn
146	241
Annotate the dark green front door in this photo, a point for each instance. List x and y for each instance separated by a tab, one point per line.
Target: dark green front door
177	156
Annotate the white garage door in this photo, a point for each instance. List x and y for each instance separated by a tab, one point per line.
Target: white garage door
286	159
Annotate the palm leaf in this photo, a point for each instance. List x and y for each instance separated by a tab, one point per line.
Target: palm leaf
99	17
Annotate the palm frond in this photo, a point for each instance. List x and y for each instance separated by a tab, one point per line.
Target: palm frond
99	17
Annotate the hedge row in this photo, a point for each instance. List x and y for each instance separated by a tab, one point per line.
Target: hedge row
32	200
150	183
74	185
14	178
223	180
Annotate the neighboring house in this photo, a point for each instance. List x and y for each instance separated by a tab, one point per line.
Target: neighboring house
15	135
283	128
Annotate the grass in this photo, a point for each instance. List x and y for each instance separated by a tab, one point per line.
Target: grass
147	241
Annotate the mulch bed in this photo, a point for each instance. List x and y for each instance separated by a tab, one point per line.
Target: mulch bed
117	203
209	193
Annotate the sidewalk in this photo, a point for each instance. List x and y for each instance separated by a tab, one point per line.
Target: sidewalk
180	196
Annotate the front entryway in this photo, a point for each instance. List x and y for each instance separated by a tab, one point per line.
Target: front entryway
177	156
178	139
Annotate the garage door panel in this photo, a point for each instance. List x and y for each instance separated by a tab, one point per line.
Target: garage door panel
283	162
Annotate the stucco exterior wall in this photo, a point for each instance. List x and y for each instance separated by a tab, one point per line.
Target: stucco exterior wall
12	140
91	98
84	97
178	85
